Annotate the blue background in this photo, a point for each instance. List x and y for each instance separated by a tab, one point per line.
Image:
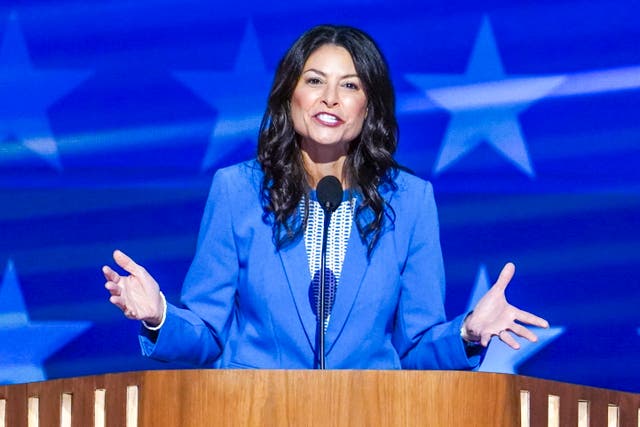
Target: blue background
525	116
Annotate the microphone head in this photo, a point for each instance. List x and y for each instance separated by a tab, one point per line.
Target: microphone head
329	192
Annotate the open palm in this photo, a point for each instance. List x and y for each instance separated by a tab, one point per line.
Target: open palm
494	316
137	294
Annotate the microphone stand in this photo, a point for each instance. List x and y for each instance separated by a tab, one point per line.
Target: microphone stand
329	192
321	291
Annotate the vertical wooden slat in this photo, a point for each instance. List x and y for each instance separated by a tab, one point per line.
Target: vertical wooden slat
65	409
15	397
99	415
613	416
3	412
538	405
116	400
33	408
132	406
49	402
553	417
525	408
583	413
599	411
628	408
81	389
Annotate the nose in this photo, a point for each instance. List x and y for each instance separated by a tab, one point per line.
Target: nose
330	96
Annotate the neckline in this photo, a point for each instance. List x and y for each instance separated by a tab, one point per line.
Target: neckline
347	195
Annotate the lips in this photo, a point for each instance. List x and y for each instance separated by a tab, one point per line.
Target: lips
328	119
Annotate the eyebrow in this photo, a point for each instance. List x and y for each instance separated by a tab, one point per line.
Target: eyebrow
346	76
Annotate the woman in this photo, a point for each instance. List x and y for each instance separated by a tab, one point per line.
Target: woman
248	299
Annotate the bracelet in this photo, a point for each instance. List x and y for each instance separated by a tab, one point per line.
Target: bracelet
164	315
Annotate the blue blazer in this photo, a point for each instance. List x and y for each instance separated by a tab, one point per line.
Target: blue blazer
246	304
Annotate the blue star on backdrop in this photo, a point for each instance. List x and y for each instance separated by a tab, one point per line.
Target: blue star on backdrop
238	95
26	344
484	104
25	95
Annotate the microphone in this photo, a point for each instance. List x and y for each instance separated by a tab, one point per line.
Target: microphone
329	192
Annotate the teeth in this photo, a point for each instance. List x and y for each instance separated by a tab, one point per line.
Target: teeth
327	118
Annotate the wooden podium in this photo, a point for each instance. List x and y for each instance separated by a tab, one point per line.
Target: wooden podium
198	398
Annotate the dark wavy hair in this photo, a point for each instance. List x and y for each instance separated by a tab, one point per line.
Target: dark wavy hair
369	164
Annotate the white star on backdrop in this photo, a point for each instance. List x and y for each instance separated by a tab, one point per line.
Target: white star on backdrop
238	95
484	104
500	357
24	344
25	95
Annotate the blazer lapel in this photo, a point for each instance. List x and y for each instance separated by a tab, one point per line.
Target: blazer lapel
296	268
353	272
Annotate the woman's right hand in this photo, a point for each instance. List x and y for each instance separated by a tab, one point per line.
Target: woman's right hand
137	294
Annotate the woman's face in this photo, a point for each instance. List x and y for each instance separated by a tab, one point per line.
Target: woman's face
328	105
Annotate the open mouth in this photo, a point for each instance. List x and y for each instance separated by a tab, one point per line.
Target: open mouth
328	119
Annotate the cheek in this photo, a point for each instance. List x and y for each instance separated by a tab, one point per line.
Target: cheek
357	104
359	114
299	105
297	116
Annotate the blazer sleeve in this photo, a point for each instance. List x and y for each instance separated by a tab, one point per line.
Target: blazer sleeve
196	334
422	336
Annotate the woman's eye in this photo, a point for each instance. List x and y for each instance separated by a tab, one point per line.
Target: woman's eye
351	85
313	81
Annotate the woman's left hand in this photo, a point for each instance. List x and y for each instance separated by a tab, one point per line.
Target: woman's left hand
494	316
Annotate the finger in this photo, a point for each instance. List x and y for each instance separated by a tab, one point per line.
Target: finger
126	262
531	319
110	274
485	339
505	276
113	288
506	338
118	302
130	314
524	332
